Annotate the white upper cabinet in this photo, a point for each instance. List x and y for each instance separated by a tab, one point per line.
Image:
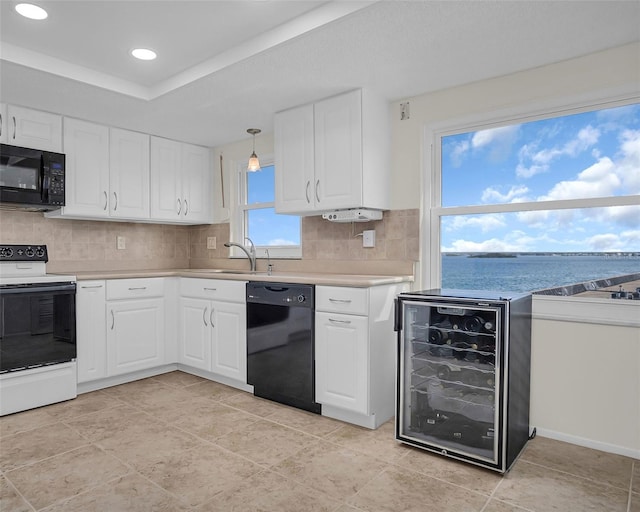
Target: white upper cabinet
333	154
181	187
166	179
197	184
294	177
86	146
107	173
129	174
33	129
3	123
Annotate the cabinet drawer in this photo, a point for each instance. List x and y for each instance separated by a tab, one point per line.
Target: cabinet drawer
135	288
214	289
354	301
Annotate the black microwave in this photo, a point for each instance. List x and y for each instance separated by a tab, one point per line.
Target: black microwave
31	179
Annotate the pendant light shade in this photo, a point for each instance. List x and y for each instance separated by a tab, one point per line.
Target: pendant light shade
254	163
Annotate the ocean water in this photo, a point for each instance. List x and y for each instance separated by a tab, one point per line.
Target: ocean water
527	273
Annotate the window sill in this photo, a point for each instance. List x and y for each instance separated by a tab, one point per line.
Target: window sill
587	310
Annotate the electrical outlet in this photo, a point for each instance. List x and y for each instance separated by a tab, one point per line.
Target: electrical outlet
369	238
120	242
211	242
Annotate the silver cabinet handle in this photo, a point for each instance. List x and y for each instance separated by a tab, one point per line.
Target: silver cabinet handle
340	301
204	315
306	191
210	289
113	320
317	196
14	127
186	207
179	205
106	200
115	196
93	286
333	320
211	318
138	288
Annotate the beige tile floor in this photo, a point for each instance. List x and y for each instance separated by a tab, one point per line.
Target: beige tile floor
180	443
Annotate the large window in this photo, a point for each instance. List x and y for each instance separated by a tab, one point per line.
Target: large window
255	216
530	204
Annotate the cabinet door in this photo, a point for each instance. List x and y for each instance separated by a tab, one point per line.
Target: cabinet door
342	361
91	331
294	150
34	129
3	123
129	174
165	179
338	152
86	146
135	339
229	343
197	184
195	333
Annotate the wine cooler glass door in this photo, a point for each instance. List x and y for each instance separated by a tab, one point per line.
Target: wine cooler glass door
449	378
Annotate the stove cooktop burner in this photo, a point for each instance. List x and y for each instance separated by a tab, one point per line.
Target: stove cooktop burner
23	253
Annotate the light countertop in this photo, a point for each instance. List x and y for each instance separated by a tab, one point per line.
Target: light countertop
352	280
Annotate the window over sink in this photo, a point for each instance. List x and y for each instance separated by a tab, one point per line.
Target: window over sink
255	215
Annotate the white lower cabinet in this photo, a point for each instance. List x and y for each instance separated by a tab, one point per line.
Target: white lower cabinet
195	333
213	332
91	330
135	335
120	327
355	352
342	355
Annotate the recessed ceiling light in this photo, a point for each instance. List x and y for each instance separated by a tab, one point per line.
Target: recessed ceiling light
31	11
143	54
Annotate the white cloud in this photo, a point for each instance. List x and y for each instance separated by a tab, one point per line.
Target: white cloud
629	164
458	152
281	241
534	162
493	245
515	193
484	223
598	180
492	135
605	242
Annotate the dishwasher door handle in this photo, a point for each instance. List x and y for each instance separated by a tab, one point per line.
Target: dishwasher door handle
334	321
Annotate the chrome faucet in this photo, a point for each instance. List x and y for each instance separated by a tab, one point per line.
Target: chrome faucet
251	253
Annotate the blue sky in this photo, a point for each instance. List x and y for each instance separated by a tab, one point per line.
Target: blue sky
593	154
265	226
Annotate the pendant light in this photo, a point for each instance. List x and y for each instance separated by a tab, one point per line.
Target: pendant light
254	163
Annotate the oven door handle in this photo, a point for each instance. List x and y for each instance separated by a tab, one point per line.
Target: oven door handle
71	287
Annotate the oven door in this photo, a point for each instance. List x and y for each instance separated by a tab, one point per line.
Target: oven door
37	325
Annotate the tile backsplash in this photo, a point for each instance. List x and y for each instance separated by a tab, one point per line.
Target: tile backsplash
326	247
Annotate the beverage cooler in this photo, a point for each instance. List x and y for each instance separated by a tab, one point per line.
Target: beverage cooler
463	374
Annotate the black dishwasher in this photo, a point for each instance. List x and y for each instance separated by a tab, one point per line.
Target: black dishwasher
280	343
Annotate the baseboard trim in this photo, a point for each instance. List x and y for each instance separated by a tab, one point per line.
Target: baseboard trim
589	443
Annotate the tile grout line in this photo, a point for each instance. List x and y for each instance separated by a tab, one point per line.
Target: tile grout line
580	477
15	489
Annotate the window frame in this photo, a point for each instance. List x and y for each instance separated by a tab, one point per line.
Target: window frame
239	220
432	209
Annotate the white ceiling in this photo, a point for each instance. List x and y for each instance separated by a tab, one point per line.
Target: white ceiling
225	66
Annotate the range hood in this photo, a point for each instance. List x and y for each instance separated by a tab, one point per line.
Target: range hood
354	215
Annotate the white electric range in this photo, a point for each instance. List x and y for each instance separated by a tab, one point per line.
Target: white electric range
37	331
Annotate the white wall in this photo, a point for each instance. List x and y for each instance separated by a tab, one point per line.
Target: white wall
612	72
585	376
